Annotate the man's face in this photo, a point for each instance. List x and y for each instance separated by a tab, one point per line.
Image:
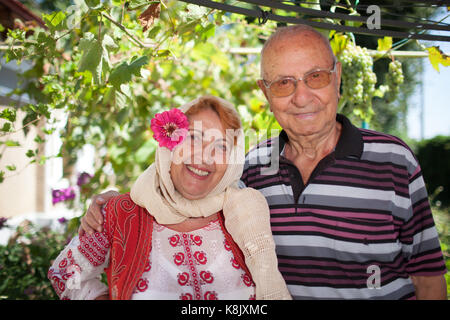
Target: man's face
306	112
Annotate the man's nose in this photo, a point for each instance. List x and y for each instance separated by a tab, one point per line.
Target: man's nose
302	95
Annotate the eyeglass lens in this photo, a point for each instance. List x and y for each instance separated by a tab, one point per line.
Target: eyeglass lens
314	80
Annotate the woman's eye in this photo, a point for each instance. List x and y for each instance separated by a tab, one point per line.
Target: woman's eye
195	137
220	148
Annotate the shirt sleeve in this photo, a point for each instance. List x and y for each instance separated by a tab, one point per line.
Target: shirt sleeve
418	234
76	272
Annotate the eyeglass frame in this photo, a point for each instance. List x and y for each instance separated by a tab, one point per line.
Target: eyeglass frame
333	69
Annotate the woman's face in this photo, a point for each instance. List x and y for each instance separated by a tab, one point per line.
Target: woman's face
200	162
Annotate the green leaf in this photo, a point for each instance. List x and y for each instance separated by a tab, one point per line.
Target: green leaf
208	31
384	44
143	154
123	72
7	127
92	56
338	43
207	51
54	19
30	153
93	4
352	23
436	57
120	99
8	114
153	32
11	167
136	4
12	143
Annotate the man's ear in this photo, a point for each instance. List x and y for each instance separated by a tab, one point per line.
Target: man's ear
338	75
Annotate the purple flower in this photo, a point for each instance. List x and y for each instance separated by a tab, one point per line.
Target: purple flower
59	195
62	220
83	178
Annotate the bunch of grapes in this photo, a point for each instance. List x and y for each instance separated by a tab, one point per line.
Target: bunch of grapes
358	77
394	78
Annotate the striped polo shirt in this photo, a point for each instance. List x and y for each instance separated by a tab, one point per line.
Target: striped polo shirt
360	226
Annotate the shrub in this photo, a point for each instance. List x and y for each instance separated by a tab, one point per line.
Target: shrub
434	156
25	260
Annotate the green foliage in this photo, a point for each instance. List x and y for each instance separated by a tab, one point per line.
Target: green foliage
97	66
442	219
433	155
25	260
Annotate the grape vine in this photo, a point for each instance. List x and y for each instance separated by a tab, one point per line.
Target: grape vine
359	82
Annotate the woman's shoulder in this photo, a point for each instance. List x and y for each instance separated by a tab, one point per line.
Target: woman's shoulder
122	209
121	202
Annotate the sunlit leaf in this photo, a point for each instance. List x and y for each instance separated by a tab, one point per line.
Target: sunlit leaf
92	56
384	44
437	57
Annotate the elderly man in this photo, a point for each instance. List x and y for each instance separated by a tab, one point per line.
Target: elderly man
349	209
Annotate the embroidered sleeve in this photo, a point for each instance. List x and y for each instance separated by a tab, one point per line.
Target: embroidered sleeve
76	272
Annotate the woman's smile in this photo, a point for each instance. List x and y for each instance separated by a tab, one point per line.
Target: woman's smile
197	172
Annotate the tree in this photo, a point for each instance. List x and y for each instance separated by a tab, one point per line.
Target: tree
109	66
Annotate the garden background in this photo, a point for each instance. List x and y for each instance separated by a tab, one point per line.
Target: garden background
91	75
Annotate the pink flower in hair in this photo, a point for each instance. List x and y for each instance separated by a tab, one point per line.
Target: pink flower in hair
170	128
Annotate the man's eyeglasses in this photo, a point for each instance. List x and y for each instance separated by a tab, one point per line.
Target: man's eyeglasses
286	86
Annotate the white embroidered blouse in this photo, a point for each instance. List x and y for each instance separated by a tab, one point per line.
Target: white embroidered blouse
195	265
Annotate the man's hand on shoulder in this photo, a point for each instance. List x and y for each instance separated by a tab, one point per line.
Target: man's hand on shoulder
92	221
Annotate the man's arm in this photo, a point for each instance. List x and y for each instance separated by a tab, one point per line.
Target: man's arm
92	221
430	287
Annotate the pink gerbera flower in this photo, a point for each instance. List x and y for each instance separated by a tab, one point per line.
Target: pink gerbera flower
170	128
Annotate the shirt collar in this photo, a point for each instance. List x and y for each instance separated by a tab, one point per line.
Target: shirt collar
350	143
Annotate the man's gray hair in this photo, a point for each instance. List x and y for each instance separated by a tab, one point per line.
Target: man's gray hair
290	31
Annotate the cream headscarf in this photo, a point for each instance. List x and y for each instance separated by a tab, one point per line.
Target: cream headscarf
246	212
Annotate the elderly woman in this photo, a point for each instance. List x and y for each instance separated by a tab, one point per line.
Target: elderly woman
185	231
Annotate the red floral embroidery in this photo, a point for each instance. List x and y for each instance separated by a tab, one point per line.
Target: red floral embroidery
247	280
226	244
94	248
66	269
63	263
178	258
183	278
142	285
200	256
148	266
174	240
206	276
186	296
234	263
210	295
197	240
